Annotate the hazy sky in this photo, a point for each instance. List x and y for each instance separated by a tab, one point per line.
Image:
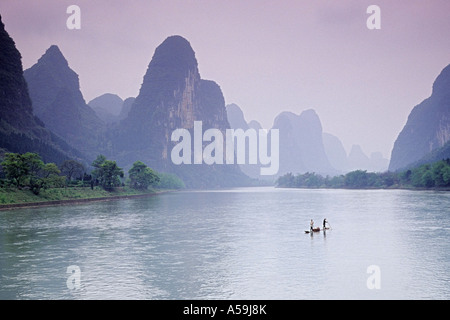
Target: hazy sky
268	56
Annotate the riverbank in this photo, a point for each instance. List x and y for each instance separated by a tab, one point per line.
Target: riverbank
408	188
14	198
434	177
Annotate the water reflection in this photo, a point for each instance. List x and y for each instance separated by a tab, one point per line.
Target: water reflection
231	244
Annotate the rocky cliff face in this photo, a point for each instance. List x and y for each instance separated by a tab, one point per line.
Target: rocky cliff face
57	100
20	130
173	96
165	101
427	128
15	102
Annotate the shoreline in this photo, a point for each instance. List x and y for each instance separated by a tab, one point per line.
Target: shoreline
445	189
4	207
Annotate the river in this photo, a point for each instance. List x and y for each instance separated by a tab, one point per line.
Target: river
244	243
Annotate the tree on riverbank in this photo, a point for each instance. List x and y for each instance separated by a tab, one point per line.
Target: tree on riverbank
141	176
72	169
28	170
107	173
170	181
20	168
436	175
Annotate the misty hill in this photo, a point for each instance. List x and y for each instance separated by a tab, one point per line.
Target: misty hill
378	163
427	128
173	96
57	100
254	125
301	144
110	108
20	130
237	121
236	117
107	107
126	107
305	148
357	159
335	151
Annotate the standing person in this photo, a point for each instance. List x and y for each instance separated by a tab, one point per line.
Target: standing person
311	224
324	223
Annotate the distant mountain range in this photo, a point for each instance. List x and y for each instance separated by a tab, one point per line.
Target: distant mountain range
301	143
43	110
110	108
304	147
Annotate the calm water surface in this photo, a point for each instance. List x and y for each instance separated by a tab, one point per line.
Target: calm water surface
232	244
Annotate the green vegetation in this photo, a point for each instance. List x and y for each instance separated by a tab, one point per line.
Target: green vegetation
26	178
72	169
107	173
428	176
28	169
170	181
16	196
141	176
